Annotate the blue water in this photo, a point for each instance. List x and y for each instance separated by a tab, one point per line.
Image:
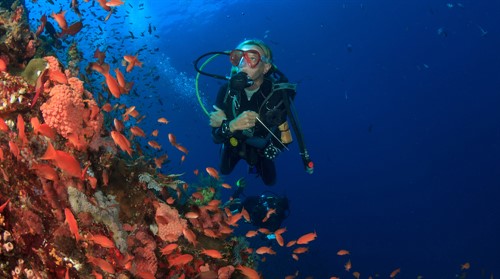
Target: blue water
399	102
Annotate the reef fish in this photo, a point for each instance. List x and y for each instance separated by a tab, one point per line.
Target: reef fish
73	226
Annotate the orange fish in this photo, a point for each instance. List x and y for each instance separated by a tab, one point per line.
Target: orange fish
154	144
212	172
103	5
112	84
102	240
270	212
395	272
132	61
138	132
154	133
245	214
63	160
21	129
300	250
2	207
291	243
120	78
306	238
45	171
348	265
103	264
342	252
191	215
170	200
465	266
3	126
73	226
190	236
107	107
356	274
121	141
295	257
169	249
60	19
279	239
58	76
163	120
181	148
43	129
251	233
265	250
114	3
172	139
180	260
118	125
248	272
3	65
212	253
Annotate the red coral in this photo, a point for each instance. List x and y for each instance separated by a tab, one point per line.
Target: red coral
170	225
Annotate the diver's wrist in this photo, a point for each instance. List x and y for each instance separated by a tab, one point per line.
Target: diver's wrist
226	128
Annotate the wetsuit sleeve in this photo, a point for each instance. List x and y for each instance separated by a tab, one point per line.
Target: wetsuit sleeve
222	133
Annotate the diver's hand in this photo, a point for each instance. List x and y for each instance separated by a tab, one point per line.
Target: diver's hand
244	121
216	117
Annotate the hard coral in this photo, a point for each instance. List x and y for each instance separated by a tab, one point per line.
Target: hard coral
72	116
170	225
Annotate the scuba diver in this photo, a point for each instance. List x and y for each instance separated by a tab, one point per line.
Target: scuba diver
259	206
251	111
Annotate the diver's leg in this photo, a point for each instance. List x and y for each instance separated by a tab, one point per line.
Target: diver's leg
228	160
267	171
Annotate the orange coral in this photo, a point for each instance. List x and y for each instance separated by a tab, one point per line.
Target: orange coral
170	225
67	113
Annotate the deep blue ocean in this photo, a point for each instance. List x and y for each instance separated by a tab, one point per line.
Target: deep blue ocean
399	103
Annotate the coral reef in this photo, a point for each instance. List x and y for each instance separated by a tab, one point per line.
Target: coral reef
72	205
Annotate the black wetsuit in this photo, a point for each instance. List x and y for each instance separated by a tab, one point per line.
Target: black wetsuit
249	144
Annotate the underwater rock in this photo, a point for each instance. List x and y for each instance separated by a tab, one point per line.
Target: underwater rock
106	212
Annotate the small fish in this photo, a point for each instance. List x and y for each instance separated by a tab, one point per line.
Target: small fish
138	132
60	19
169	249
306	238
154	144
212	253
190	236
102	241
122	142
73	226
465	266
172	139
163	120
248	272
180	260
348	265
395	272
2	207
300	250
212	172
342	252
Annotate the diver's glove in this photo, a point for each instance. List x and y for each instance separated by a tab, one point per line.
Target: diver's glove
271	151
240	81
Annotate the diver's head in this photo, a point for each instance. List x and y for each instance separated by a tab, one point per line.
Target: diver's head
254	58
